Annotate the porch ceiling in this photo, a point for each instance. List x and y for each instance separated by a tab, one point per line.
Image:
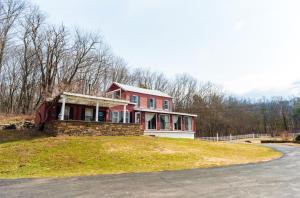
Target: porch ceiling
91	100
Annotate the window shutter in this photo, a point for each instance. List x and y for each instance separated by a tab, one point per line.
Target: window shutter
154	103
148	101
139	101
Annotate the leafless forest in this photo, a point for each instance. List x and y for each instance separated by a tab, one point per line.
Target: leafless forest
39	60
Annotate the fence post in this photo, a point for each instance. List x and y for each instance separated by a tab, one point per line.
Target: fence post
253	136
230	138
217	137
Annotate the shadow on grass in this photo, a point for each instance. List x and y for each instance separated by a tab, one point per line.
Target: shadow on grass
21	134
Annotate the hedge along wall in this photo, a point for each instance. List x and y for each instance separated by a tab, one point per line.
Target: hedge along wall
82	128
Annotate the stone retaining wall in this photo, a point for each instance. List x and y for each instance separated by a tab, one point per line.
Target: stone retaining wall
82	128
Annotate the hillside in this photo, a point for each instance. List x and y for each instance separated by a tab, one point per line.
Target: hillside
72	156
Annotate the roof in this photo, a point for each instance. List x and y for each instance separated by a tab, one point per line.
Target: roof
165	112
75	98
142	90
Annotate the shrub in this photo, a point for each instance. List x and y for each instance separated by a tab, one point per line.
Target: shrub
297	138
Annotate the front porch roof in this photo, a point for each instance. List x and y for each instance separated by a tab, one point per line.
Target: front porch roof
82	99
165	112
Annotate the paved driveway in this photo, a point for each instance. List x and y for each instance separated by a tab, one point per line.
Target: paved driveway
278	178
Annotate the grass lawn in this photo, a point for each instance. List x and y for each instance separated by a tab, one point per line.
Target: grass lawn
73	156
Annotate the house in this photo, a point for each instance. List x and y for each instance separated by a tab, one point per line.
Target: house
151	110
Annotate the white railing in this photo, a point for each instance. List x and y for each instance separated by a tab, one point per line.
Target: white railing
238	137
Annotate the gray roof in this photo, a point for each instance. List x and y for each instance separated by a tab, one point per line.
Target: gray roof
142	90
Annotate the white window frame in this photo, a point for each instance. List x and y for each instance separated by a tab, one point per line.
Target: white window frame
67	112
166	128
146	123
188	118
118	116
85	114
168	102
137	97
152	107
121	114
135	117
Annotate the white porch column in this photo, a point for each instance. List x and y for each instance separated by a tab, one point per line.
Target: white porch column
97	111
63	106
124	113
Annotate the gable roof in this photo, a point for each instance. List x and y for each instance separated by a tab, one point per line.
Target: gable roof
142	90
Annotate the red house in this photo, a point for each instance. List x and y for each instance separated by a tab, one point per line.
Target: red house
152	109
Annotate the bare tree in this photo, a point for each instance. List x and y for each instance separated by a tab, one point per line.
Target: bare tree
9	13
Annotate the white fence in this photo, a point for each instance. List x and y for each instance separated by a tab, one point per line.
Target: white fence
238	137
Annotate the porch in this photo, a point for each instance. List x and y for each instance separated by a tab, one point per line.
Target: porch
167	124
78	107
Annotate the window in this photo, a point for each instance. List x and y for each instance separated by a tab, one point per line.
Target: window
164	121
121	115
135	99
115	94
88	114
176	122
68	115
150	121
115	117
151	103
188	123
137	117
166	105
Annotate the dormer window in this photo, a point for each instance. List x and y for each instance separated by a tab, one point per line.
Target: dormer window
166	105
151	103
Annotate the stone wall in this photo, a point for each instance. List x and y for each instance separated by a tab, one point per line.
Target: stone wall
82	128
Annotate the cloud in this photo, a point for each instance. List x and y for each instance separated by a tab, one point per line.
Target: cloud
239	25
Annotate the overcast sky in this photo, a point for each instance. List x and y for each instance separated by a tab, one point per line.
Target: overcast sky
250	47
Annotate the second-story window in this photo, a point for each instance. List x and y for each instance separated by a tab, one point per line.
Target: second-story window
135	99
166	105
151	103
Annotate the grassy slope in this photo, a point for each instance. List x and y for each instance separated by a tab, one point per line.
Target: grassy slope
70	156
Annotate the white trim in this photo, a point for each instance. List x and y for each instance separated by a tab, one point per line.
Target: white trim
165	112
63	106
97	111
136	103
118	117
141	90
154	102
135	117
146	123
163	107
124	113
95	97
171	134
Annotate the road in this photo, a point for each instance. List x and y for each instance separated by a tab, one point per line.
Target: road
277	178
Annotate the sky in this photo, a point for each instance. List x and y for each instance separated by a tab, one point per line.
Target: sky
249	47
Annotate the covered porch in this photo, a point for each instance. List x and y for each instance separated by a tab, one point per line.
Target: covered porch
168	124
81	107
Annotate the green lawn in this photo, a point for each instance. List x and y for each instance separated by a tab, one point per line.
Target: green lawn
72	156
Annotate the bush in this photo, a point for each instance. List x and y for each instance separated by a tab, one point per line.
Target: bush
297	138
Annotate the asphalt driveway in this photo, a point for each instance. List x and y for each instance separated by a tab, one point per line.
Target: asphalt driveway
278	178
